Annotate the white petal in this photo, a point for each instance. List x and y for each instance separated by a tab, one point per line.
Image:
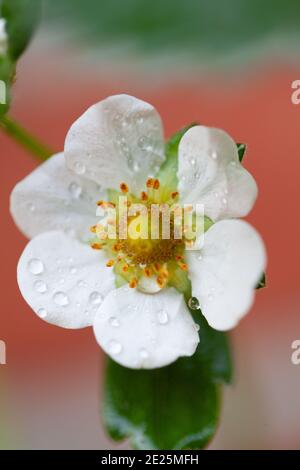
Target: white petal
119	139
210	173
54	198
226	271
63	280
145	331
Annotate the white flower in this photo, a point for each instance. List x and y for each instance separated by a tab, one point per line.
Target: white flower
3	37
120	140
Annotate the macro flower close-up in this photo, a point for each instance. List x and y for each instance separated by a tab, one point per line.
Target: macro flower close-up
135	290
150	299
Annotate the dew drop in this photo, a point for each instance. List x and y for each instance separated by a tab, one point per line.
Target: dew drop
40	286
31	207
113	321
193	161
193	303
143	353
79	168
162	317
95	298
42	312
61	299
214	155
80	283
197	327
224	201
140	119
114	347
200	257
73	270
75	190
136	167
35	266
144	143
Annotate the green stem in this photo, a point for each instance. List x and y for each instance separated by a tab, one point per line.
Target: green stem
22	136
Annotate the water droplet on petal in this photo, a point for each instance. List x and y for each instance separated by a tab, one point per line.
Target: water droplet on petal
143	353
40	286
95	298
61	299
200	257
73	270
224	201
210	297
192	161
75	190
144	143
35	266
136	166
196	326
80	283
79	168
114	347
162	317
193	303
113	321
214	155
42	312
31	207
140	119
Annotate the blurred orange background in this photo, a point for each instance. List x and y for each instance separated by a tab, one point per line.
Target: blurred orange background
51	384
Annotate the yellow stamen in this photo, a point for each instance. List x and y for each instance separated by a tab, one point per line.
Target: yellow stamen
160	281
133	283
156	184
149	183
110	263
125	268
147	272
144	196
124	188
93	228
183	266
96	246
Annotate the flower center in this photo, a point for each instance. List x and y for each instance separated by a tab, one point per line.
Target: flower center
139	235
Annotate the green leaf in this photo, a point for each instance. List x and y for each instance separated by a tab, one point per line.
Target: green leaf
21	17
241	150
262	283
6	72
174	407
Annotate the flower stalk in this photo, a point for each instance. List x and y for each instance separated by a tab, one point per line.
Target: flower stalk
33	145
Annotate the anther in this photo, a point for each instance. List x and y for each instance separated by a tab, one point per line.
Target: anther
156	184
110	263
133	283
124	188
183	266
144	196
149	183
96	246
